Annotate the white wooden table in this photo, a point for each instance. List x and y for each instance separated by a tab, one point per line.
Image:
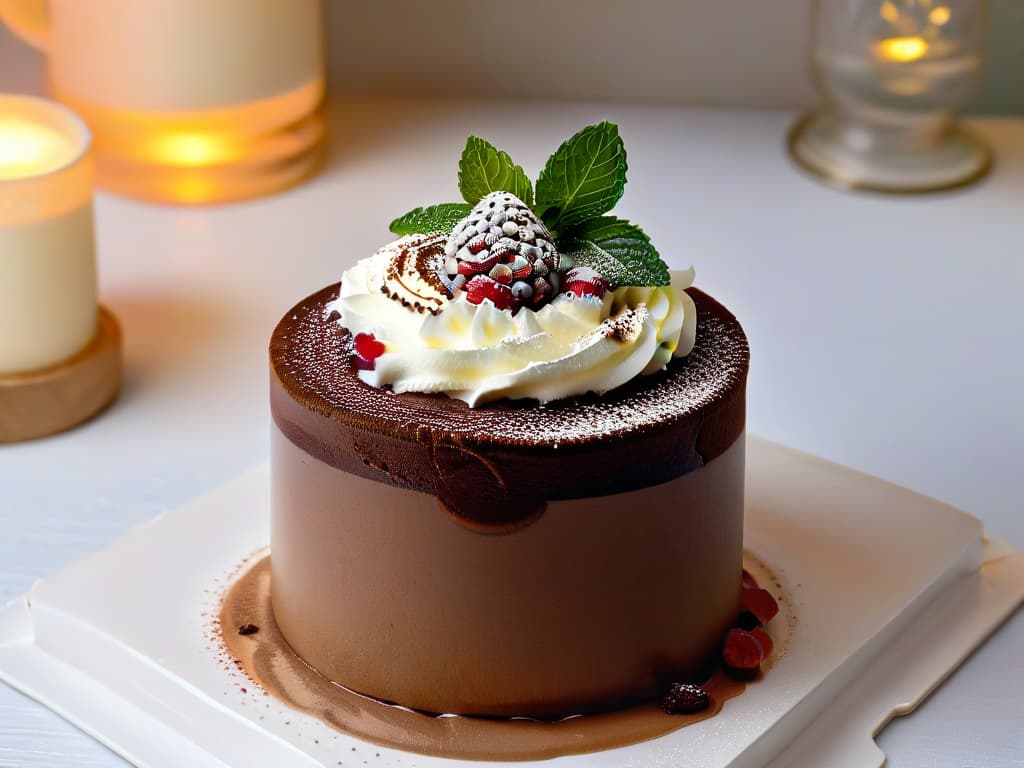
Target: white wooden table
886	335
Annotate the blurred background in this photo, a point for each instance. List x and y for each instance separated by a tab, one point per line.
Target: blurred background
702	52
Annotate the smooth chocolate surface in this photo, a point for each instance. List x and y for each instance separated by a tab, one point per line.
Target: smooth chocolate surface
488	465
598	603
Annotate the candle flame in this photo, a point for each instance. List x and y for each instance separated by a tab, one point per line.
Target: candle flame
901	49
30	149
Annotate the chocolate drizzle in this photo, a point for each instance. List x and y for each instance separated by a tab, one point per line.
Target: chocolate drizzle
411	277
490	466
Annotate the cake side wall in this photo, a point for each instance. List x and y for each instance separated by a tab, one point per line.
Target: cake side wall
597	603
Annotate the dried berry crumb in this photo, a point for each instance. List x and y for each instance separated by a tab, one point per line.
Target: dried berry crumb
685	699
248	629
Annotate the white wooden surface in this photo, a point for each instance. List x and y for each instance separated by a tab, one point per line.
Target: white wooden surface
885	335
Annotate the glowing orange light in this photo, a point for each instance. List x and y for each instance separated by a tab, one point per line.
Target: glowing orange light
192	149
889	12
901	49
191	189
28	148
939	15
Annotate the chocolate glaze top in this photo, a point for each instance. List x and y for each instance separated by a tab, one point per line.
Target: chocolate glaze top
497	464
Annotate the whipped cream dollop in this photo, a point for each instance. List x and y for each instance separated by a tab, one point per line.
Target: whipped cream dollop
479	353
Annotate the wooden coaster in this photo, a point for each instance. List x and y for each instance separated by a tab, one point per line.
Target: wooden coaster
49	400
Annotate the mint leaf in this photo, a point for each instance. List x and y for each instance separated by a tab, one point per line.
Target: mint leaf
433	218
621	252
584	178
484	169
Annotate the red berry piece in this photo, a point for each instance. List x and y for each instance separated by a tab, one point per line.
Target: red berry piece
742	652
584	281
764	640
749	582
759	603
367	350
483	287
477	244
685	699
367	346
470	268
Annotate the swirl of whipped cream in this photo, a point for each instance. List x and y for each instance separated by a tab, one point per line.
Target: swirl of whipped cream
478	353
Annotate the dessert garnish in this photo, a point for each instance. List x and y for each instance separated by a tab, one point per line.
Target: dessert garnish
764	640
519	291
501	251
367	349
502	229
685	699
759	603
742	652
748	645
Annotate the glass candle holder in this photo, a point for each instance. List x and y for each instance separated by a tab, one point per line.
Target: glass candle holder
189	101
59	352
892	74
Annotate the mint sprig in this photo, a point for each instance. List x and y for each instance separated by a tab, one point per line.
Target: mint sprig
581	181
620	251
433	218
584	178
484	169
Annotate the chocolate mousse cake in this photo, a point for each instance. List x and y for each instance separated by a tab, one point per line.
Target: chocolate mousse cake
508	455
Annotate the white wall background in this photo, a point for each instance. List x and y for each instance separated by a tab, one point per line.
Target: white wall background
719	52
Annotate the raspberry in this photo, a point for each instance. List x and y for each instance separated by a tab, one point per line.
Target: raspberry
759	603
502	239
685	699
742	653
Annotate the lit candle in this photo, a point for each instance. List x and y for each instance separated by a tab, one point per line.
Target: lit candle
48	309
901	49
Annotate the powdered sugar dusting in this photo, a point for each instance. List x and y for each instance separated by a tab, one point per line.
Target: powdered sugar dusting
311	354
